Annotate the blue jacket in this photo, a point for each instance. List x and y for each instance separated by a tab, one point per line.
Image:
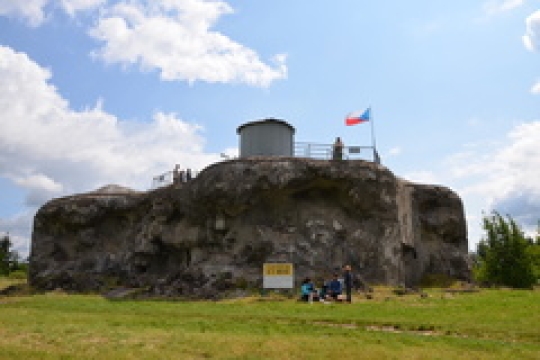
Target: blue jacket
334	287
307	289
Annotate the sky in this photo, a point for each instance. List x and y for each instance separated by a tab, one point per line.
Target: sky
97	92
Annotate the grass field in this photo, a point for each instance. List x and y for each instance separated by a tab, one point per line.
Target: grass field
490	324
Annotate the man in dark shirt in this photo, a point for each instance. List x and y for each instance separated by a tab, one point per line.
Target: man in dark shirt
337	153
334	287
347	281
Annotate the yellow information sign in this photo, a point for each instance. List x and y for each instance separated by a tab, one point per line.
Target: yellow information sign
278	269
278	276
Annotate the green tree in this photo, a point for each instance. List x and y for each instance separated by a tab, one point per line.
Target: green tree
9	259
5	245
534	252
504	256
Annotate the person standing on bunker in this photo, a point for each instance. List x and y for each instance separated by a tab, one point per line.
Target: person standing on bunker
337	154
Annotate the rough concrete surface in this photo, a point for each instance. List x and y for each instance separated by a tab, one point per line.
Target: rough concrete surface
209	237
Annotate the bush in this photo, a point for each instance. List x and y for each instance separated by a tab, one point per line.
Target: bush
503	257
18	274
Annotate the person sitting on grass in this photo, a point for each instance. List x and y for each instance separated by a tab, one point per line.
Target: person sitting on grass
308	291
323	293
335	288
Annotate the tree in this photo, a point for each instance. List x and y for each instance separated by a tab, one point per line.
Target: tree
504	257
534	252
9	259
5	244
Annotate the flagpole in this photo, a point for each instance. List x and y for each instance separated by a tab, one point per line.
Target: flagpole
373	143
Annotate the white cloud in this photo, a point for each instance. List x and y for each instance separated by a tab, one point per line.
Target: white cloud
504	177
33	11
40	188
48	149
30	10
494	7
39	128
494	175
73	6
395	151
536	88
174	37
421	177
18	227
520	162
39	181
531	39
230	153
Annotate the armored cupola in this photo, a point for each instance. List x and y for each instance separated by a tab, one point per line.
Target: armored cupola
267	137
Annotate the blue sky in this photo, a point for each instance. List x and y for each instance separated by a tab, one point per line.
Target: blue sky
94	92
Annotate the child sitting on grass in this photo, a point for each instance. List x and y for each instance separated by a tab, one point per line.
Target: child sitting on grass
308	291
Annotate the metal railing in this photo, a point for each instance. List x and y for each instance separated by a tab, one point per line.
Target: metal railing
301	150
168	178
325	152
162	180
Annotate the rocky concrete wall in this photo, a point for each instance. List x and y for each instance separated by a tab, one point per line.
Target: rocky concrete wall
211	235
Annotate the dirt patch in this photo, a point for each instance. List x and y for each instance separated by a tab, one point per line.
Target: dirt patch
394	329
344	326
383	328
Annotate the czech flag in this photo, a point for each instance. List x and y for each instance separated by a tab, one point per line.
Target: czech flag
357	118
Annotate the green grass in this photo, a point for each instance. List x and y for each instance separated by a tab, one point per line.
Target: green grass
490	324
